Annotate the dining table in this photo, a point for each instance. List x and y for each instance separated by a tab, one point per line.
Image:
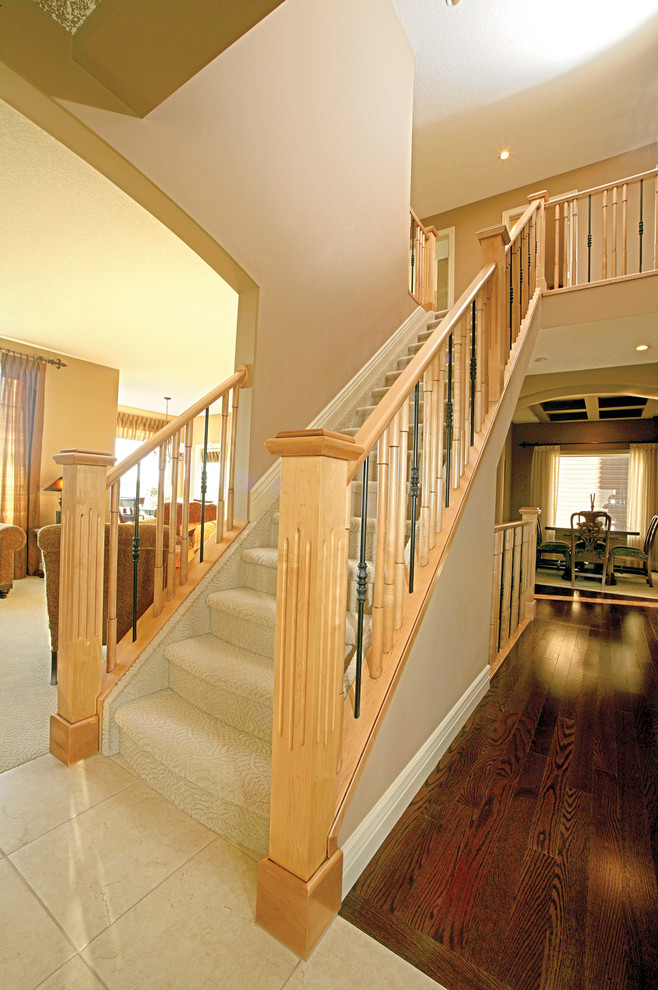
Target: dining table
617	537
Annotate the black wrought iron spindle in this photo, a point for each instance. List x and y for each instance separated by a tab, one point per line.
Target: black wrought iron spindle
521	279
448	422
135	554
204	481
361	587
531	235
413	488
511	295
413	251
589	239
474	370
641	226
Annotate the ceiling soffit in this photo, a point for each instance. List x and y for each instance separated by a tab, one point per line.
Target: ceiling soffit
127	56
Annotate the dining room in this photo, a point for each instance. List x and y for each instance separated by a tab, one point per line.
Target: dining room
590	463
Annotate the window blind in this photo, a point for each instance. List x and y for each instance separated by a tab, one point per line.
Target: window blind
603	475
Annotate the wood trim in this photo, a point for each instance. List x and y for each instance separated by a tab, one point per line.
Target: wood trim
555	200
314	443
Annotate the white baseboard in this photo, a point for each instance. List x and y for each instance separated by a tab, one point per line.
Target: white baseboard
364	842
266	489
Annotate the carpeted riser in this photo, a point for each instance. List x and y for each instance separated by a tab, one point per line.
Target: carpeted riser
229	820
259	577
245	714
242	632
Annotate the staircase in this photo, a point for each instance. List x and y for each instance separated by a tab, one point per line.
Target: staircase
202	735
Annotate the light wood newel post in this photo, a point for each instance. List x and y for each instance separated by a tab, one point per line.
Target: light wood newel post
74	730
299	885
493	241
540	263
530	514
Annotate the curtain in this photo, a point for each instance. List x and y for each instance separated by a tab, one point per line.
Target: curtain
131	426
22	381
642	491
544	479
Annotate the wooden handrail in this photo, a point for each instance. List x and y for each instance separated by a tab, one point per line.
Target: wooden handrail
557	200
520	224
238	378
376	423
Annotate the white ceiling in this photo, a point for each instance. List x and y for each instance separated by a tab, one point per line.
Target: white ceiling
85	271
560	85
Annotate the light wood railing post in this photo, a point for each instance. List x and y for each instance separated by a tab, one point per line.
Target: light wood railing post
493	241
74	729
299	884
530	514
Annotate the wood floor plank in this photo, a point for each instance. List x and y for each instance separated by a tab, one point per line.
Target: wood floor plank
605	733
545	829
582	762
521	957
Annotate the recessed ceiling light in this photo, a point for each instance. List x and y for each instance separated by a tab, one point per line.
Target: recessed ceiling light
642	347
541	359
504	155
452	3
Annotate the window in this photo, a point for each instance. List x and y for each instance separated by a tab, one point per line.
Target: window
148	474
604	475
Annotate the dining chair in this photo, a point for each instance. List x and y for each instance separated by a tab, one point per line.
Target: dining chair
643	555
551	546
590	541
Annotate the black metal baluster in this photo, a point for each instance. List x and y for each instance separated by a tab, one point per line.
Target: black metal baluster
361	587
474	368
520	279
641	226
448	422
413	251
511	295
204	481
534	236
589	240
413	488
135	554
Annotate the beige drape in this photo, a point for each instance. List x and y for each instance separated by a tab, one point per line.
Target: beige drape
132	426
544	479
22	381
642	491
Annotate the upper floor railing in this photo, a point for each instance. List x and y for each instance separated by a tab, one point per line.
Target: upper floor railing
422	262
605	232
513	583
87	476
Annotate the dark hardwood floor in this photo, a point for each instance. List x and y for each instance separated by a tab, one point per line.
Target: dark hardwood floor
527	861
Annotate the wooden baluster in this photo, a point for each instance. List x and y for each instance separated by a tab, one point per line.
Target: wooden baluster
556	273
230	499
614	232
112	572
185	511
426	469
401	521
431	436
494	625
466	393
538	280
624	228
530	514
221	497
655	227
565	246
480	353
173	518
389	565
506	587
517	544
574	243
492	244
158	577
374	657
458	424
74	729
439	429
604	236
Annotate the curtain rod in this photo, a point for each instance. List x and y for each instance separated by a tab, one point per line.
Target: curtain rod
575	443
56	362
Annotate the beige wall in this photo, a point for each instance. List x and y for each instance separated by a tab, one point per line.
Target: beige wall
292	149
487	212
80	410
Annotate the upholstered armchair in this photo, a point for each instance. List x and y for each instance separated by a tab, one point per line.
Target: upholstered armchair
48	540
12	538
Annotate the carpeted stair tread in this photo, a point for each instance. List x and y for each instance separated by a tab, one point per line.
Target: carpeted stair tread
199	748
220	663
262	556
246	604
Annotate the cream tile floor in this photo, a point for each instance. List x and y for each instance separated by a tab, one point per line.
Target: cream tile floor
104	884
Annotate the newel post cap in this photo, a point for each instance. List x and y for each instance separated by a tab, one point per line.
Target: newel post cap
542	195
101	458
499	230
314	443
529	511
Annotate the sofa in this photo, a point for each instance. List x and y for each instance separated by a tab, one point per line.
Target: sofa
48	540
12	538
194	522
